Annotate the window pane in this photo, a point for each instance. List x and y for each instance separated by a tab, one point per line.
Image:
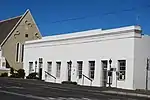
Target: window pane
22	53
49	67
80	63
122	69
40	60
91	69
58	67
122	62
104	64
17	52
30	67
92	75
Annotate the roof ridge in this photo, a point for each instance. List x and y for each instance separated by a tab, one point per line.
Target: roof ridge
10	18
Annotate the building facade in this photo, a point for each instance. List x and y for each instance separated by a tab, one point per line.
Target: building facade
13	34
113	57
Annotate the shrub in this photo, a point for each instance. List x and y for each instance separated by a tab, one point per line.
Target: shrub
69	82
11	70
4	75
32	76
15	75
21	73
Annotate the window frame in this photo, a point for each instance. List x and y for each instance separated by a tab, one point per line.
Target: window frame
40	63
30	67
79	74
49	67
91	69
122	71
17	52
22	52
58	69
26	35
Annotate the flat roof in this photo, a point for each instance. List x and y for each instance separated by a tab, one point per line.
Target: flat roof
84	34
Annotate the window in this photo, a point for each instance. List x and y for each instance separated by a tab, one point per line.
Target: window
58	67
80	63
3	64
69	65
91	69
49	67
104	64
17	52
40	62
22	53
30	67
26	35
122	69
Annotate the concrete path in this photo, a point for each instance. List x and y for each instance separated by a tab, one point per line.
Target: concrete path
127	93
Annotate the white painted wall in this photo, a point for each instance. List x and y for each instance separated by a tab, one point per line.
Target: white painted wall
116	44
141	53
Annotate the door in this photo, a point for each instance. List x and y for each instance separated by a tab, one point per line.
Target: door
69	70
40	73
40	68
104	72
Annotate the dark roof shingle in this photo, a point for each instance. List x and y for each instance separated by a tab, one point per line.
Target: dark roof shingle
6	26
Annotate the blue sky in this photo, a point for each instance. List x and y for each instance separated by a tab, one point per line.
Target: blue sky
46	12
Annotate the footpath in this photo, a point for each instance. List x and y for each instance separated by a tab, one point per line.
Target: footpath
129	93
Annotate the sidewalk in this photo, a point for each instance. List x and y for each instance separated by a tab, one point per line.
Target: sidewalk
127	93
124	92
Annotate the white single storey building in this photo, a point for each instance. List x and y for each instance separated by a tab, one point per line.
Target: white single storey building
96	57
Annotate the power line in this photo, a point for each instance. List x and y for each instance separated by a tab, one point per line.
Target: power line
95	15
104	14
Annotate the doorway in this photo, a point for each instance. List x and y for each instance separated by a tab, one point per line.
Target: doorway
40	73
104	72
40	68
69	70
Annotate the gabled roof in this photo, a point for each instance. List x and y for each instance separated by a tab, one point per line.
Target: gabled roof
6	26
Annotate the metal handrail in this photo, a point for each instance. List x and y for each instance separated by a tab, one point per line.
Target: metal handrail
87	78
50	75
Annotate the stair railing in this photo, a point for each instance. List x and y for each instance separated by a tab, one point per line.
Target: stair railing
51	76
86	78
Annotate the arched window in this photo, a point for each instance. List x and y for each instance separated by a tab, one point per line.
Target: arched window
17	52
22	53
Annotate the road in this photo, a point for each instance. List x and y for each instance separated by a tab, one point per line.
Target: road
20	89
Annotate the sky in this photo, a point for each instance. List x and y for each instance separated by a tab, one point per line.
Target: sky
66	16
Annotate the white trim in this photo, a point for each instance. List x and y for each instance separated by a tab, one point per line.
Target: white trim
86	34
10	18
69	43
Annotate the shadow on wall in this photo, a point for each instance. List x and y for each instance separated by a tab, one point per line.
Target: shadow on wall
7	64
